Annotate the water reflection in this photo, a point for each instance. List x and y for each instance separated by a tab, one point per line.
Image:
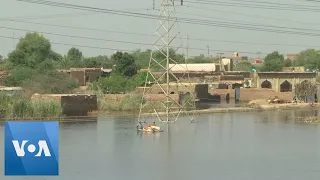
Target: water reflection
284	116
247	145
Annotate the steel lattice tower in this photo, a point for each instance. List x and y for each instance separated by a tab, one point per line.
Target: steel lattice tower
165	81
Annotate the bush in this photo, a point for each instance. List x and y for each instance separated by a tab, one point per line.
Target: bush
51	82
40	80
19	107
118	83
129	103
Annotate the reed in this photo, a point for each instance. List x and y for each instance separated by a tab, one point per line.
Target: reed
20	107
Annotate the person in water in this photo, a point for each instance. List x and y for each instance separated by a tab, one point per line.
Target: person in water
139	125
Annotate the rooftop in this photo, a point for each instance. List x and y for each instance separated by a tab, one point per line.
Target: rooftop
59	95
193	67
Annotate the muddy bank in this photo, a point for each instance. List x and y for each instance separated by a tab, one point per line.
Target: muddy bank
250	108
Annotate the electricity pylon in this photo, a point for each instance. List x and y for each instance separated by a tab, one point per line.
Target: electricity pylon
166	85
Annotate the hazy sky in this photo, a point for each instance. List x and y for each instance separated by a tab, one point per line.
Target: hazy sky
227	13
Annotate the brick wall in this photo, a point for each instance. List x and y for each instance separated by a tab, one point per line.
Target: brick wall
79	76
249	94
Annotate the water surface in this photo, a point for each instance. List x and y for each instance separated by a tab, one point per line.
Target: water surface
229	146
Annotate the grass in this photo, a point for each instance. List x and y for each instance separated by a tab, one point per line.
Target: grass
20	107
308	120
130	103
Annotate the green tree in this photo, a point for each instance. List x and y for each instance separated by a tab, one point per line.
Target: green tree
115	83
309	58
287	63
74	54
32	66
54	56
50	82
98	62
18	75
202	59
31	50
273	62
142	58
124	64
243	66
72	59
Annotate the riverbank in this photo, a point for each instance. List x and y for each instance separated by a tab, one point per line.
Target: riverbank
269	107
20	107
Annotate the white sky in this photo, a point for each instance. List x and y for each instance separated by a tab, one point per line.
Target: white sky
307	20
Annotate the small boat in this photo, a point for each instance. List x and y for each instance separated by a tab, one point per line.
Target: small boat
151	129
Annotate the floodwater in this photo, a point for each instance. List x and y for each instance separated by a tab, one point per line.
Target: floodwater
230	146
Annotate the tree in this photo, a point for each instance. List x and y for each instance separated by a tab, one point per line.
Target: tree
73	58
243	66
124	64
142	58
51	82
309	58
18	75
304	90
74	54
31	50
98	62
287	63
273	62
54	56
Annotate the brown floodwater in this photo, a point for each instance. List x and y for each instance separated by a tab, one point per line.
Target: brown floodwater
267	145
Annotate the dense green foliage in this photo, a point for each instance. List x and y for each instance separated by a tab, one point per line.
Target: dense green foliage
125	64
244	66
32	65
309	58
273	62
117	83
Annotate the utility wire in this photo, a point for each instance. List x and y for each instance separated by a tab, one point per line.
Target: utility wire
153	35
109	40
244	26
63	15
250	5
75	45
263	3
250	15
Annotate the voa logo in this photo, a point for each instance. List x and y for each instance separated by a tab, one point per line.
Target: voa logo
42	148
31	148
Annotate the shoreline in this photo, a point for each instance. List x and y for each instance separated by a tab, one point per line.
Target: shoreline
268	107
255	108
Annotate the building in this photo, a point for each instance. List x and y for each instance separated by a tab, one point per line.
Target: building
292	57
294	69
257	61
281	81
72	104
199	67
84	76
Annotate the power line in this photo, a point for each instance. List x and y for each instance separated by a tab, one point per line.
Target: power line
260	6
152	35
251	15
232	20
76	45
265	2
110	40
62	15
256	27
